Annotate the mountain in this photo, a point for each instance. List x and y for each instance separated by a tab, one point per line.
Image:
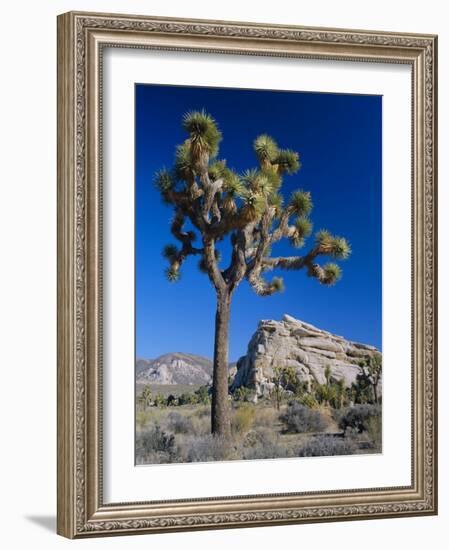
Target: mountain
308	349
174	368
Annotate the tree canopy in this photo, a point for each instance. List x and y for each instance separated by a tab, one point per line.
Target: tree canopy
248	208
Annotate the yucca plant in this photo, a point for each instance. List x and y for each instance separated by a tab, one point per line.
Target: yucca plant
248	209
145	397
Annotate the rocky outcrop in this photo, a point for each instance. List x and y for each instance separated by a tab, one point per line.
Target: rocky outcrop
308	349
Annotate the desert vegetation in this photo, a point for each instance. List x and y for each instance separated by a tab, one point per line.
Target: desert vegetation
292	420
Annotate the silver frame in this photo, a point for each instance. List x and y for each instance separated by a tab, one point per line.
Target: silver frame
81	39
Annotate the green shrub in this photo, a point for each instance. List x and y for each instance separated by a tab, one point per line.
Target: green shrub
242	394
308	400
203	395
301	419
360	417
159	400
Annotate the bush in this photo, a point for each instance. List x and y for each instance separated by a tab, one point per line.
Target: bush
159	400
187	399
243	419
263	443
202	395
374	429
300	419
179	424
360	418
266	416
308	400
155	446
142	418
202	412
242	394
206	449
326	446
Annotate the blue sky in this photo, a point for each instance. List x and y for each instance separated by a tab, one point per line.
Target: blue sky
338	137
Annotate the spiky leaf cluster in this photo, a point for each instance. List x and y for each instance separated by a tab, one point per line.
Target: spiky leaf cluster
301	230
183	167
266	148
203	131
301	203
336	247
163	180
278	284
173	274
288	161
332	273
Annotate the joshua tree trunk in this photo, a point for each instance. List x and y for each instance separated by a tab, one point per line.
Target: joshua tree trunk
376	398
221	423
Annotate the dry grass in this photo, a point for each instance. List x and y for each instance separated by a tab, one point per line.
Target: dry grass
182	434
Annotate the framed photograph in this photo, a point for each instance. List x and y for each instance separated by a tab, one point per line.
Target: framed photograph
246	274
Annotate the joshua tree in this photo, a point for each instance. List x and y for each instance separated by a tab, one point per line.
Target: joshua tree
372	372
211	203
145	397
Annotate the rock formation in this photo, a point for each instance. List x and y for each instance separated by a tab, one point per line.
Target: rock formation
309	350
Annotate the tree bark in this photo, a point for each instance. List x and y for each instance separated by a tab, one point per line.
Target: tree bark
376	398
221	421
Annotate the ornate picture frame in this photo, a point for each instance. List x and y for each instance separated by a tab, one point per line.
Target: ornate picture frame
82	38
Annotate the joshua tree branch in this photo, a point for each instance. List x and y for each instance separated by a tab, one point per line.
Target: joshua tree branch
283	227
210	191
262	287
213	270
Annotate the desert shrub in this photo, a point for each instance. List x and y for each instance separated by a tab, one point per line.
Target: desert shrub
266	417
204	449
291	381
308	400
325	393
172	401
202	395
363	391
159	400
360	417
179	423
187	399
200	425
243	419
263	443
277	395
242	394
142	418
155	445
202	412
326	446
145	397
300	419
374	429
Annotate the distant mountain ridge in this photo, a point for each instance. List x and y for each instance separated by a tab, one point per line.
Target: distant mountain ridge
174	368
